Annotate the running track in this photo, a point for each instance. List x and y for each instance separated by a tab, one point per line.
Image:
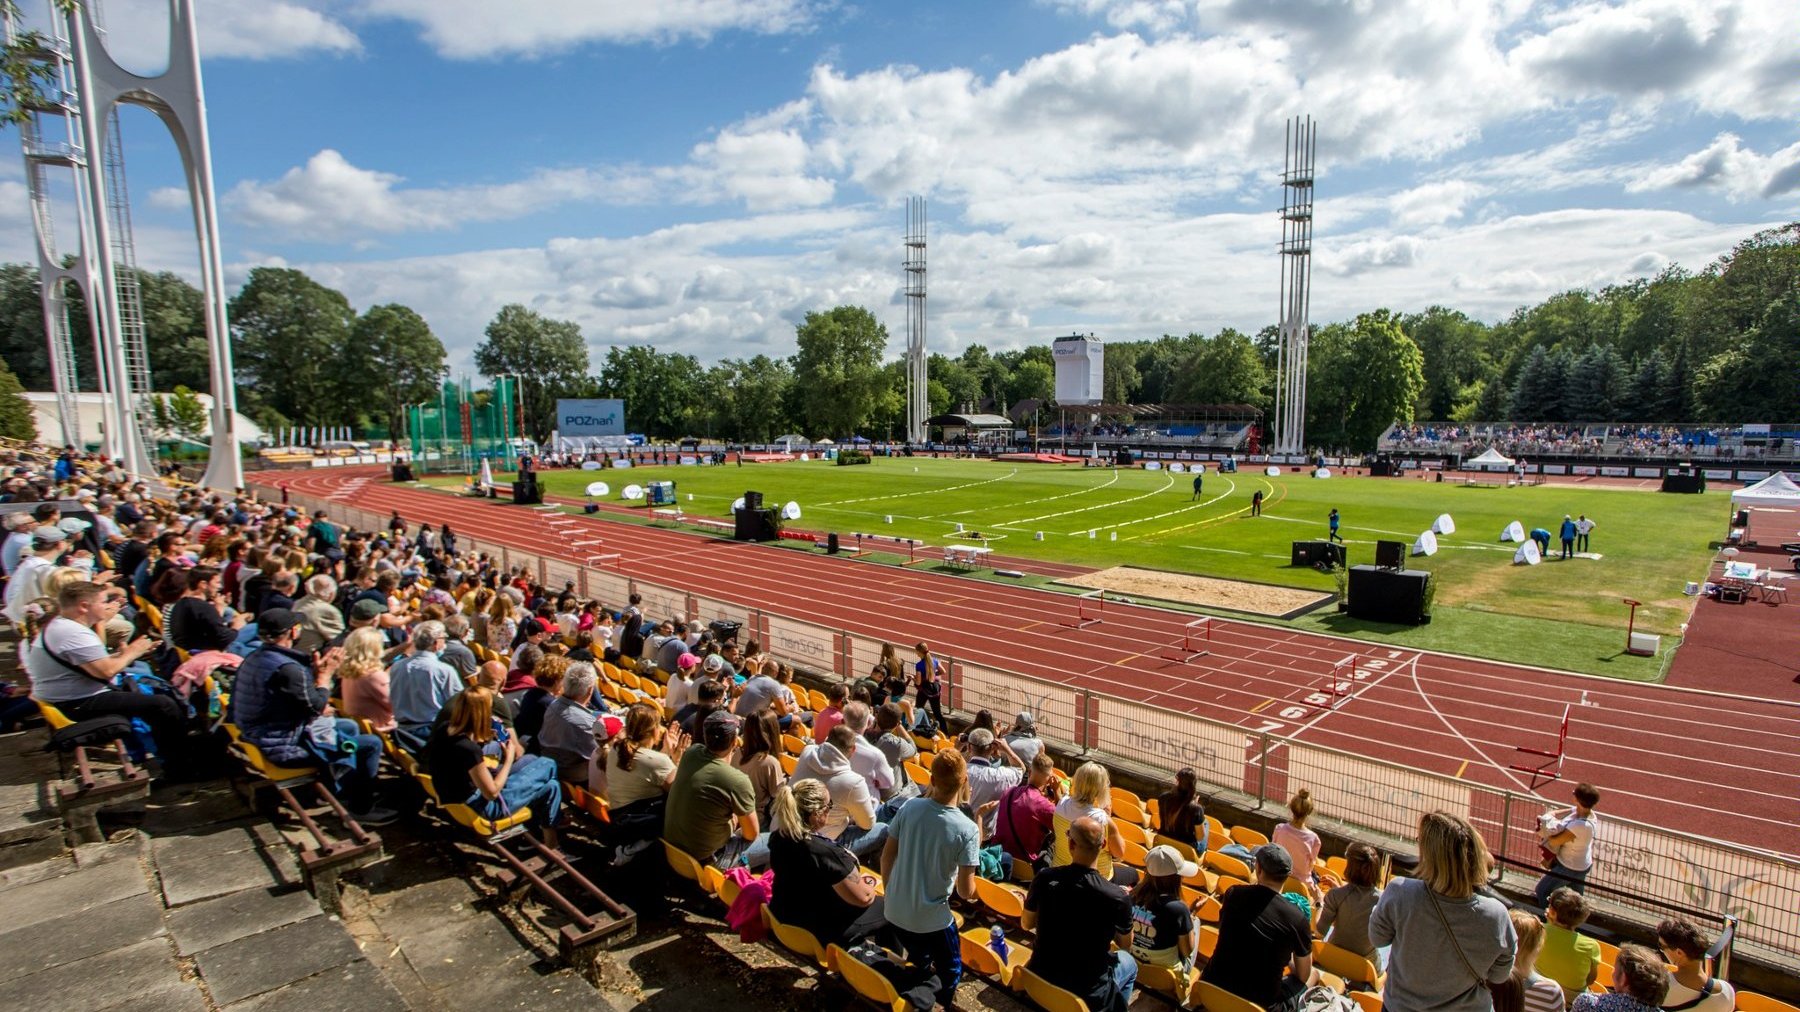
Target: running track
1718	765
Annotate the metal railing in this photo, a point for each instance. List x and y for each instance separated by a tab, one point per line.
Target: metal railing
1637	865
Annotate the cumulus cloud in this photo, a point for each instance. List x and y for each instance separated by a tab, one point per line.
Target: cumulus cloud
464	29
1728	166
138	33
1373	254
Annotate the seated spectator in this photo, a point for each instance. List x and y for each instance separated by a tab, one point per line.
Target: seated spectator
679	692
419	685
851	821
1026	815
71	669
761	691
1077	914
320	620
835	696
932	850
522	677
195	622
459	771
283	590
1023	739
868	760
363	680
567	735
492	675
1264	953
818	885
583	647
1164	931
456	651
1640	983
709	698
1180	814
640	767
710	797
1090	797
1692	988
277	702
1344	916
1528	990
758	759
890	738
1449	941
1569	958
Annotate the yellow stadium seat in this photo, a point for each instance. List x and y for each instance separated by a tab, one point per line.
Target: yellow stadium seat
816	700
917	774
1226	865
1186	850
1135	855
788	763
1368	1001
1246	837
792	744
1046	995
1163	980
52	714
1226	883
1353	968
684	864
1133	833
977	956
1120	794
1209	940
865	981
1126	811
797	940
1006	902
1748	1001
1213	998
727	889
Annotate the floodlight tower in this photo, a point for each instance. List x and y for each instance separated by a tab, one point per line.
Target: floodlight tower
1296	286
918	404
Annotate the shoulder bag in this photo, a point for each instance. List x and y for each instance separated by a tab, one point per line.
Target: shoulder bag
1480	980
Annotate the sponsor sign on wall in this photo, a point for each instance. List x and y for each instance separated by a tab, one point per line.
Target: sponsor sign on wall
590	417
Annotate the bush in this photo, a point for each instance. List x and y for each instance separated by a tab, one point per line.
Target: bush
854	457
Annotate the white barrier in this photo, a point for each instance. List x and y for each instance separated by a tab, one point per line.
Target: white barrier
802	644
660	602
1056	708
1167	740
612	589
711	609
1371	794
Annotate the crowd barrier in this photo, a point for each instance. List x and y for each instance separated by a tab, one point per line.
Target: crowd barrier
1637	865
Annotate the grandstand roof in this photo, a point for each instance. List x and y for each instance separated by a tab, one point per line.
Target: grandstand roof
1168	410
972	421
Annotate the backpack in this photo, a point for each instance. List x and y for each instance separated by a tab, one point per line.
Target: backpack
1320	998
93	731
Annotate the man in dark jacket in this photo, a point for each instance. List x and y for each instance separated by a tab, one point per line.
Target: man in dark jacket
278	704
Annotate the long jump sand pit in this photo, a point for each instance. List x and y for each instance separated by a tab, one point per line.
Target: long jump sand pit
1236	595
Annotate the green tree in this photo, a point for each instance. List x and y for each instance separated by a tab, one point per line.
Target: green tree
838	367
392	360
1361	378
1031	378
662	392
1643	398
186	414
759	402
1120	378
1596	382
1755	379
1224	369
18	420
1456	355
290	331
548	355
24	79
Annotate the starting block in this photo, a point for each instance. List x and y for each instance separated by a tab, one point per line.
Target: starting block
1090	609
1338	687
1551	768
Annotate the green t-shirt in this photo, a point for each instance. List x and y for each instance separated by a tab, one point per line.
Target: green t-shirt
706	793
1568	958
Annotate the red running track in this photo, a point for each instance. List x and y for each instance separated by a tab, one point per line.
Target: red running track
1714	764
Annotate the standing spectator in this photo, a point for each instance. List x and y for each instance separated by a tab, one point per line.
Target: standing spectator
1568	536
567	734
1640	983
1023	738
455	757
710	797
1344	916
932	849
1450	943
1333	521
1256	501
818	885
1302	844
1076	913
993	769
928	677
1090	796
419	685
1693	988
1026	815
851	821
1180	815
1528	990
1164	931
1568	957
836	696
1583	527
1264	953
1568	839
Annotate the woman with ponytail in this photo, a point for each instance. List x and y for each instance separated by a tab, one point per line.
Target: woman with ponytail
640	766
818	885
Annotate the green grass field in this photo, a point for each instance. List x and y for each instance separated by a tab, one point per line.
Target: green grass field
1562	614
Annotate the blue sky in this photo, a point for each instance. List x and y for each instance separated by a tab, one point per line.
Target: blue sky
699	174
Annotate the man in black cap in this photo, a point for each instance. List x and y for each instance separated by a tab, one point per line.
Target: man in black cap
709	795
278	704
1264	954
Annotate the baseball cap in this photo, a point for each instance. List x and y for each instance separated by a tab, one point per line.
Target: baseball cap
74	525
713	664
275	621
720	730
981	738
1166	860
1024	722
687	662
1272	861
608	727
366	610
47	536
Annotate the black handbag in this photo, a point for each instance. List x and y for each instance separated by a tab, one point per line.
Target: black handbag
93	731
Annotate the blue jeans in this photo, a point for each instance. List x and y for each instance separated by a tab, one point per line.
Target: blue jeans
1124	974
940	954
532	783
864	843
1558	876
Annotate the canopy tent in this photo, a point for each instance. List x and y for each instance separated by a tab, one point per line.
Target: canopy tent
1775	490
1490	458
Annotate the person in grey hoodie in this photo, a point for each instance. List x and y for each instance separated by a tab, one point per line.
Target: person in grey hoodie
1449	941
851	821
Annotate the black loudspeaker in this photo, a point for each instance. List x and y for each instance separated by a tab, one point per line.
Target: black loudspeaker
1390	554
526	492
757	525
1316	553
1396	596
592	507
753	500
402	471
1742	519
1685	482
831	543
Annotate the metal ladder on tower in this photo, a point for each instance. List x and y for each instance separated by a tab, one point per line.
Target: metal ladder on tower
131	296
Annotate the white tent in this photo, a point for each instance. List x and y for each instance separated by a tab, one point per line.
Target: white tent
1443	525
1514	531
1426	544
1490	460
1527	554
1775	490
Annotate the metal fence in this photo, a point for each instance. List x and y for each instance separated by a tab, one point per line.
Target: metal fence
1637	865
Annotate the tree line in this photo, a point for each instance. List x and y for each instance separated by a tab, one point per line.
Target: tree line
1718	345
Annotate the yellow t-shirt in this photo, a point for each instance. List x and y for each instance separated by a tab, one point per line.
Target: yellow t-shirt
1568	958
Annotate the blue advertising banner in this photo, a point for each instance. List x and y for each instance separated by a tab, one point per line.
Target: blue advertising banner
590	417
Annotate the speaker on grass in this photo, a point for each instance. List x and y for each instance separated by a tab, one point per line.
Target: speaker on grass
1390	554
526	491
831	543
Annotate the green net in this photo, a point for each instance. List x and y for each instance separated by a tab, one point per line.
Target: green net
463	425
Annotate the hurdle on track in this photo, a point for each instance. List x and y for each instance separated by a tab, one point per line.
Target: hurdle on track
1090	609
1338	687
602	561
1550	769
588	543
1196	640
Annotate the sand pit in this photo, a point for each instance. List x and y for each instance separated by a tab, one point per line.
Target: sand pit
1237	595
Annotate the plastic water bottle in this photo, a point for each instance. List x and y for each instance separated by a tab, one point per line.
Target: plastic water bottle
997	941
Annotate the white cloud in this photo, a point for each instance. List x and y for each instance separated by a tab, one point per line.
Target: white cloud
1726	165
137	31
1434	203
464	29
1372	254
